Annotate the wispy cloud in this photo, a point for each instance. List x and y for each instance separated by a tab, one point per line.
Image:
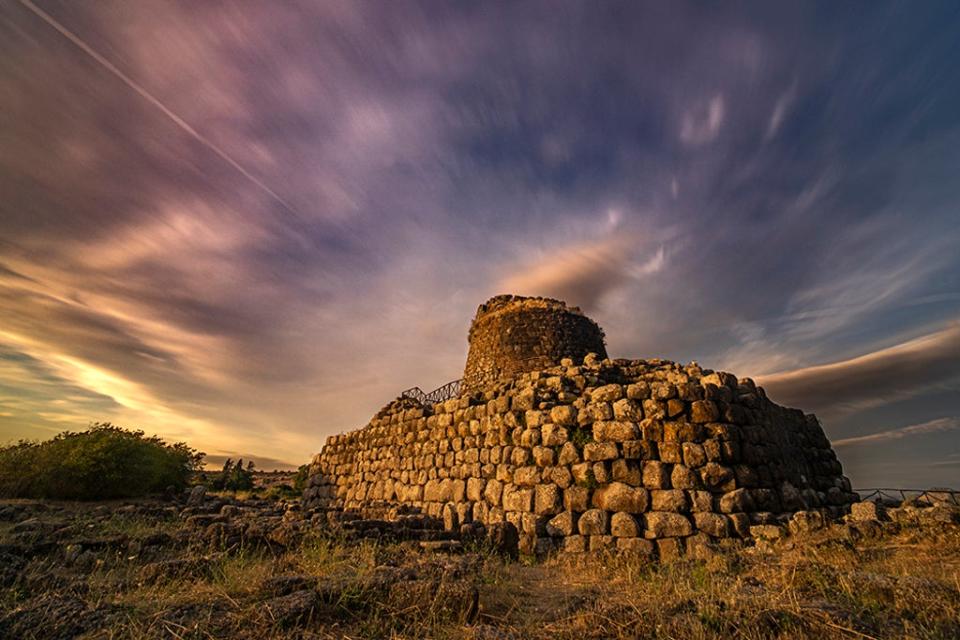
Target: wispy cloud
933	426
701	124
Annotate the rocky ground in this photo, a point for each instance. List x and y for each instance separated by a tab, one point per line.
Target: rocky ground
205	566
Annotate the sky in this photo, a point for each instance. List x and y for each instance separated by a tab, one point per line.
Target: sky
250	225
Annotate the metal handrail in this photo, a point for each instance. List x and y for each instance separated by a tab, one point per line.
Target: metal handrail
881	494
440	394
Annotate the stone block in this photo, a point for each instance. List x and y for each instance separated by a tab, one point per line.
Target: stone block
493	492
624	525
543	456
576	498
517	499
602	543
574	544
548	499
594	451
702	411
639	450
682	477
563	415
736	501
618	496
638	546
568	454
669	500
713	524
666	524
613	431
669	549
656	475
718	477
607	393
626	410
694	455
593	522
554	435
562	524
627	471
526	476
864	511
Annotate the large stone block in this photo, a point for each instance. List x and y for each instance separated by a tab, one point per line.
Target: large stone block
593	522
618	496
576	498
624	525
666	524
548	499
656	475
594	451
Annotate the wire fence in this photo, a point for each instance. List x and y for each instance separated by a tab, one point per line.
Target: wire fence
929	496
440	394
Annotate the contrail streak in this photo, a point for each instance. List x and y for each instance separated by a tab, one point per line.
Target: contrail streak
146	95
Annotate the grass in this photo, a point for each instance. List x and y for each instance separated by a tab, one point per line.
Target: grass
900	586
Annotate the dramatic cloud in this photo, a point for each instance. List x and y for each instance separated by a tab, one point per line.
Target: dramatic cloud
249	226
897	372
582	274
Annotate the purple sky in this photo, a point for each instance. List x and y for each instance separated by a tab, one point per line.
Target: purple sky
249	225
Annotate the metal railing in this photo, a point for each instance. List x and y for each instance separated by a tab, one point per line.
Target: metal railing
440	394
951	496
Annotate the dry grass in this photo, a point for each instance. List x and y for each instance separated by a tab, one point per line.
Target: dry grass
901	586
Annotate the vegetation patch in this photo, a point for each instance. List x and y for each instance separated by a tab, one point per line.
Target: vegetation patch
100	463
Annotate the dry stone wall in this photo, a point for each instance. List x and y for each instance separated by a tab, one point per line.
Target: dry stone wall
641	455
514	334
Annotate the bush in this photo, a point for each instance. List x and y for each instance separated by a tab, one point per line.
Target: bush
100	463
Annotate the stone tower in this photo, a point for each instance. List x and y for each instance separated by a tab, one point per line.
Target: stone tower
515	334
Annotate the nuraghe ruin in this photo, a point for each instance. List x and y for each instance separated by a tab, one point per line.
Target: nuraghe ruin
581	452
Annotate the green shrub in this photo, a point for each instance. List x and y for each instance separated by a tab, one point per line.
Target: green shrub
100	463
234	477
300	480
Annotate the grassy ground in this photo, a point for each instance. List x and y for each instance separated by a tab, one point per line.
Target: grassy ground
900	585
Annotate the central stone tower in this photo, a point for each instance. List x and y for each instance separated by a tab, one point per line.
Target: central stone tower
515	334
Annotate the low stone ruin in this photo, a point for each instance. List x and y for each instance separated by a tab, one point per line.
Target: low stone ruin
586	453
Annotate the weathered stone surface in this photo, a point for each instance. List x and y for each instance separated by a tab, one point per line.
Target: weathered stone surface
628	472
736	501
576	498
607	393
613	431
713	524
665	524
548	499
668	500
593	522
864	511
568	454
656	475
804	522
704	411
563	415
624	525
594	451
639	546
626	410
618	496
562	524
